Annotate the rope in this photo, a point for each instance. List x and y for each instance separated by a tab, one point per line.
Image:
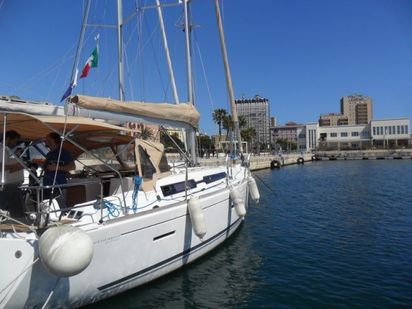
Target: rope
113	209
137	182
17	277
262	181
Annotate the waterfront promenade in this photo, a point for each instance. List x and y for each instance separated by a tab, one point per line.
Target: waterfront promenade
257	162
375	154
266	160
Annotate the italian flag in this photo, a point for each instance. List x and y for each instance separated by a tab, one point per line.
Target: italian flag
91	63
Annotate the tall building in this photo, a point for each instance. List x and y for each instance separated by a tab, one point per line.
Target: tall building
257	115
357	108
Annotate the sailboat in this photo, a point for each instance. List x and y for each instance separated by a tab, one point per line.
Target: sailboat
126	218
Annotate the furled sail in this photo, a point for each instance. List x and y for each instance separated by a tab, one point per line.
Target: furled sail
185	113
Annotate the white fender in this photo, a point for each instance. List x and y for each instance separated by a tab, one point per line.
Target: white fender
197	217
65	250
238	202
253	189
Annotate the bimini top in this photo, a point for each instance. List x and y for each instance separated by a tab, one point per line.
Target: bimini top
185	113
90	134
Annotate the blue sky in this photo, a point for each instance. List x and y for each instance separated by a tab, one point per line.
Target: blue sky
303	55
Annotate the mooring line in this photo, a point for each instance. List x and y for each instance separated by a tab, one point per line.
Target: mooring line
263	182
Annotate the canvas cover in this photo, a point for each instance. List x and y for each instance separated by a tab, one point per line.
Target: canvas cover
88	133
154	152
91	134
186	113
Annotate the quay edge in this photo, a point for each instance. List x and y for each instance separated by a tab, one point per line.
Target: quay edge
376	154
257	162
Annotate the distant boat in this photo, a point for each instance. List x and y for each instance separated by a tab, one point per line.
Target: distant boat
127	218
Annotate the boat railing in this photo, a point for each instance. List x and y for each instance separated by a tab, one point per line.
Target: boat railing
43	200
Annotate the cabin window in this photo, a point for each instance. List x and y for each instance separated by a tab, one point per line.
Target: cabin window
177	187
147	167
214	177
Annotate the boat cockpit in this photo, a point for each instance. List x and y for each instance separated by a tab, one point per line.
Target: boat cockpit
109	161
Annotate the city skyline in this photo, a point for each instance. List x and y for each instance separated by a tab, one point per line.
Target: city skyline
302	56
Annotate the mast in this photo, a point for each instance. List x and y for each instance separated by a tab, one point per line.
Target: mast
166	47
120	48
228	75
191	133
73	80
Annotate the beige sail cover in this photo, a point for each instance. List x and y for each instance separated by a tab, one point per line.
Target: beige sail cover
177	112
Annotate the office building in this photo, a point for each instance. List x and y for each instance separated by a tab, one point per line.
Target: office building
257	114
357	108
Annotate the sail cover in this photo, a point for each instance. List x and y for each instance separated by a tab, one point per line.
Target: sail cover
186	113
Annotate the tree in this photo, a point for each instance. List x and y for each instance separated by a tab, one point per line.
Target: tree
228	124
218	117
145	134
242	122
205	142
167	142
248	134
286	144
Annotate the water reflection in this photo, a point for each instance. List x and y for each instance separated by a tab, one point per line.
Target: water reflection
224	278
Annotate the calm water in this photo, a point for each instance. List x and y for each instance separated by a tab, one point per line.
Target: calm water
331	233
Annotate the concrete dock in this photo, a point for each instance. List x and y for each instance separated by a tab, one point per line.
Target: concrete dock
258	162
377	154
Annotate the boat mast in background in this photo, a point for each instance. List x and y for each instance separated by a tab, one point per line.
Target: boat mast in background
73	80
166	47
228	78
120	48
190	133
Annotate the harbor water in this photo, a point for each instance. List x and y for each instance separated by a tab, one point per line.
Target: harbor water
326	234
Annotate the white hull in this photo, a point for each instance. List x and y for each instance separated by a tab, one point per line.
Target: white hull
127	251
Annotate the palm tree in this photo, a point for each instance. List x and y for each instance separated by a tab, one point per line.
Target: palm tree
146	134
228	124
248	134
218	117
242	122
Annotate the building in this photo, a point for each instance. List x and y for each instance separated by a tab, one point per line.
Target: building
386	133
350	137
293	134
257	114
390	133
354	128
357	108
333	119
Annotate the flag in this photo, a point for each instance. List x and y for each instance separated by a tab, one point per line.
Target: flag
91	63
67	93
71	87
